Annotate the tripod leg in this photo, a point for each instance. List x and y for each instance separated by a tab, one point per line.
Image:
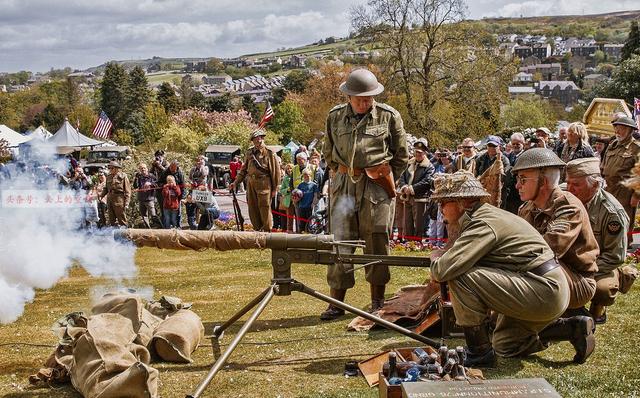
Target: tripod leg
219	330
305	289
267	296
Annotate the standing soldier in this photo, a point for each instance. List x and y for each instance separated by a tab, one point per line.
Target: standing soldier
609	222
118	192
366	147
620	157
262	172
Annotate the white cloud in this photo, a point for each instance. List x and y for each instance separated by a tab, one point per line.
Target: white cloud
506	8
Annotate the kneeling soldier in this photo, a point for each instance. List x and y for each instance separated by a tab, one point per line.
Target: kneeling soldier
498	263
609	222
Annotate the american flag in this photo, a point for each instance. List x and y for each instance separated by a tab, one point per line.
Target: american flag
268	115
636	111
103	126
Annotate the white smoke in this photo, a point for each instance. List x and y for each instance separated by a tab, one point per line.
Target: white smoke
40	243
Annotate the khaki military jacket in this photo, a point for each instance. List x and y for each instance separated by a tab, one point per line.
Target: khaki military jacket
494	238
260	164
564	225
619	159
609	222
118	184
470	165
376	138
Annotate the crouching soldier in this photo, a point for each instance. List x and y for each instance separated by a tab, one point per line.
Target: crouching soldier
609	222
499	263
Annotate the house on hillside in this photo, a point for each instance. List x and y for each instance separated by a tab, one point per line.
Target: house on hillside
522	52
530	60
592	80
565	92
550	71
613	51
541	50
523	78
217	80
521	91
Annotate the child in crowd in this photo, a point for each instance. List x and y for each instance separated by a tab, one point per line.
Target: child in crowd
171	203
305	205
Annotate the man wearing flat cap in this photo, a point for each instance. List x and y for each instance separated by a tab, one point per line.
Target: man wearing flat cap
609	222
118	192
261	170
366	146
415	185
619	159
497	263
543	134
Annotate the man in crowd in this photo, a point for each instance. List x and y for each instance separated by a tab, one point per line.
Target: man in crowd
145	185
562	140
262	173
197	178
234	166
609	222
415	185
467	160
158	166
563	222
543	134
118	192
620	157
512	199
366	147
484	161
497	263
174	170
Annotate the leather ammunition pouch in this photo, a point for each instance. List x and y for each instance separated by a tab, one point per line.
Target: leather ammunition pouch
382	175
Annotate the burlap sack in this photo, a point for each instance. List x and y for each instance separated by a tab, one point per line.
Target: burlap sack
106	362
131	307
166	306
178	336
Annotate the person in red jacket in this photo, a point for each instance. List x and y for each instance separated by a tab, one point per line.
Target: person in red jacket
234	166
171	203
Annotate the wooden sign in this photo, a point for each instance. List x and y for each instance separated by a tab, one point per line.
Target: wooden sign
523	388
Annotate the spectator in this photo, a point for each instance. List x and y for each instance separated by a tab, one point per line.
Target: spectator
234	166
415	186
145	185
542	135
285	205
158	167
466	161
305	204
197	177
600	147
577	143
512	197
174	170
171	194
209	211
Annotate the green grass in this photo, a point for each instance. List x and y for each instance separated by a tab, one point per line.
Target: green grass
290	353
159	78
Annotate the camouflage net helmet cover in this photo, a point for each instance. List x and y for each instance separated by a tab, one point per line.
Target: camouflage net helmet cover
459	185
537	158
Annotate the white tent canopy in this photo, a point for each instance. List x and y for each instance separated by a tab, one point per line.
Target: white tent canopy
68	136
40	133
12	137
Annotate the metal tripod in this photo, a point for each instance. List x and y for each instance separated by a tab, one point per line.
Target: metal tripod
282	285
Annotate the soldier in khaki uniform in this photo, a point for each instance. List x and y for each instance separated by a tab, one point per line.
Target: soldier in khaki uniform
561	219
118	192
497	263
619	159
365	145
609	222
262	172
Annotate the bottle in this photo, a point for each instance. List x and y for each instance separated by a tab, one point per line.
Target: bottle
423	357
443	353
392	371
401	368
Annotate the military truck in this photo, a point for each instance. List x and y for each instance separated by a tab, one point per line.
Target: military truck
98	158
218	158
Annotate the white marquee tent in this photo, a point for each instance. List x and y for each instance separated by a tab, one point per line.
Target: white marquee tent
12	137
68	136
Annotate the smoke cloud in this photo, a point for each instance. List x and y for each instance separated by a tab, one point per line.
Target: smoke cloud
42	237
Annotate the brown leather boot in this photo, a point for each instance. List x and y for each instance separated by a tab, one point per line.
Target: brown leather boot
377	297
598	313
577	330
333	312
479	351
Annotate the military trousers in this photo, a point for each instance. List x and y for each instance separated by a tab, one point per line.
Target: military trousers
525	303
259	202
360	210
581	288
609	284
116	208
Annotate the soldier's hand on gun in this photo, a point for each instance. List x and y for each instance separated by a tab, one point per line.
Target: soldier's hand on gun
232	186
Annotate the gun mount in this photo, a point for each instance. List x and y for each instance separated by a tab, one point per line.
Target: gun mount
286	250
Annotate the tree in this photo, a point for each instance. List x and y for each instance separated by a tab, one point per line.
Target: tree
155	120
289	122
599	57
168	99
186	91
525	113
220	103
632	44
296	81
182	139
214	66
113	93
138	93
435	61
624	81
250	106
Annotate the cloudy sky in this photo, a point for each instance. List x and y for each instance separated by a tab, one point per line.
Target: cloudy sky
39	34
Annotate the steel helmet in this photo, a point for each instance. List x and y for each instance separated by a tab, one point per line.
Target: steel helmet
537	158
257	133
361	83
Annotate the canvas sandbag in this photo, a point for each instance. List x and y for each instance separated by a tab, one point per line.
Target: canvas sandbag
107	363
178	336
166	306
131	307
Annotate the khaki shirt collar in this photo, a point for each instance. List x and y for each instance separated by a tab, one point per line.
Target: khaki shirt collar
465	219
624	142
550	205
595	200
373	112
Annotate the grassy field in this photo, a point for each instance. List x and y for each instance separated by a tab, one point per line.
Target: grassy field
290	353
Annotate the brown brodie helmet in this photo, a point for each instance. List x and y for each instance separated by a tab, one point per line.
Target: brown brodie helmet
361	83
459	185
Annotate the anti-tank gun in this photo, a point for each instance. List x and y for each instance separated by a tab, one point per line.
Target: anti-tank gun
286	249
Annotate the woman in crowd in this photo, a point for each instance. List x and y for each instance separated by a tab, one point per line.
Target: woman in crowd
577	145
